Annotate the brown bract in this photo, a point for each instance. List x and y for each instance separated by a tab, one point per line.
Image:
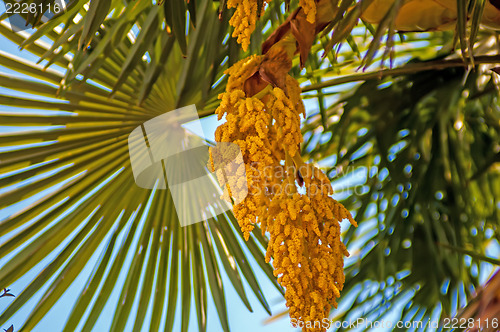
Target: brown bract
301	29
295	35
277	63
273	69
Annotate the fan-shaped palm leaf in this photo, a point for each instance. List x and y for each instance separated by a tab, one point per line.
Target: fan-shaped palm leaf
78	169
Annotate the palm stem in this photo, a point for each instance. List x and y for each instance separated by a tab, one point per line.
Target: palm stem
405	70
471	253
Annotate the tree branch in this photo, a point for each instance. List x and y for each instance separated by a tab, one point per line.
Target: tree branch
405	70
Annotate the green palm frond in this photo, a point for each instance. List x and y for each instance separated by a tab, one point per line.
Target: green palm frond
79	171
426	144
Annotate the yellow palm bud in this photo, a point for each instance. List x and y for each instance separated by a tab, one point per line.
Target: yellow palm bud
309	7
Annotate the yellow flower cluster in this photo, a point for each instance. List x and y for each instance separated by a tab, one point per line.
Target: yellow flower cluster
243	20
309	7
247	126
250	125
240	71
305	246
287	119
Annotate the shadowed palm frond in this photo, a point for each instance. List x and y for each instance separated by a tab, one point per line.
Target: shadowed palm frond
421	152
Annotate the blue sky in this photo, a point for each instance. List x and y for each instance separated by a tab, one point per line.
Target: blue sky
240	318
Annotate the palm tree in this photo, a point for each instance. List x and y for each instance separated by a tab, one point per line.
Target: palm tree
411	142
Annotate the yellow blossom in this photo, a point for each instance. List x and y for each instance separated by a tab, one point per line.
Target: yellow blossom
304	229
243	20
309	7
